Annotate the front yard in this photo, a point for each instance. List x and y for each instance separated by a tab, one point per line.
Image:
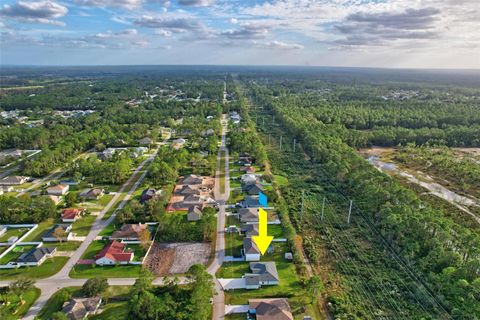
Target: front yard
48	268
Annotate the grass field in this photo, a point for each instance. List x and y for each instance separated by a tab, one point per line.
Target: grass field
88	271
36	234
19	311
46	269
82	226
13	232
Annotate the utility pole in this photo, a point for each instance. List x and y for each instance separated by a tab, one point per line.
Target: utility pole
281	137
294	143
323	207
350	211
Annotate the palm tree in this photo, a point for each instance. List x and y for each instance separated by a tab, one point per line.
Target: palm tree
21	286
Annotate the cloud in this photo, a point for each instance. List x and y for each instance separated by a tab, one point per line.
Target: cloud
35	12
196	3
127	4
384	27
163	32
247	31
283	45
172	24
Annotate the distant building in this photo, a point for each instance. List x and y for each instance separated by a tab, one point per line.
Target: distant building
149	194
13	180
81	308
92	194
270	309
71	214
58	190
35	256
248	215
113	253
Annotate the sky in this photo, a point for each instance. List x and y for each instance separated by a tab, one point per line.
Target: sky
357	33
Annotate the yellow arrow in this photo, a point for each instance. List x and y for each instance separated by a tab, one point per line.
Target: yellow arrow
262	240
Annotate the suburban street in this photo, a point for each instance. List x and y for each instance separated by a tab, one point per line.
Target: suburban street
219	298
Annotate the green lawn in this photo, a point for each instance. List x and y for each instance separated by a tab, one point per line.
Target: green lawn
89	271
64	246
115	293
16	252
36	234
56	302
46	269
13	232
233	244
29	297
108	230
275	230
113	311
281	180
82	226
233	270
93	249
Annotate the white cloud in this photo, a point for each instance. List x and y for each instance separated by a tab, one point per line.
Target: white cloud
283	45
35	12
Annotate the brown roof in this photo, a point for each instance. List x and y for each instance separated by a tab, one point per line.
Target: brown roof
271	309
71	213
249	246
129	231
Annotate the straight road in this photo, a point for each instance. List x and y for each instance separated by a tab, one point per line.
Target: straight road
221	198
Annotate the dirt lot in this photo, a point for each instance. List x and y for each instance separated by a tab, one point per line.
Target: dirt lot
175	258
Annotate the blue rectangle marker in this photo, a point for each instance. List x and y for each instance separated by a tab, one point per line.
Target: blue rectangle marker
262	199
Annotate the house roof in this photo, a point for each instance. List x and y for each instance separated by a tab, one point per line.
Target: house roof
35	254
71	213
79	308
254	188
267	270
250	229
248	214
148	194
251	201
58	187
129	231
55	199
93	192
271	309
12	180
192	179
115	251
249	246
189	189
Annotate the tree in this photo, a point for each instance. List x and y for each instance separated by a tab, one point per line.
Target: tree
95	286
59	234
202	292
21	286
144	238
4	291
71	199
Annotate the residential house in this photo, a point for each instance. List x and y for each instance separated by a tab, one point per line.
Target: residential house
250	202
129	232
191	179
270	309
250	230
178	143
247	169
71	214
58	190
253	189
192	200
49	236
145	141
92	194
149	194
194	213
189	189
262	274
35	256
208	132
55	199
250	250
81	308
13	180
248	178
247	215
113	253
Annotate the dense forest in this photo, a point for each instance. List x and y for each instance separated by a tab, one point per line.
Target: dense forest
433	251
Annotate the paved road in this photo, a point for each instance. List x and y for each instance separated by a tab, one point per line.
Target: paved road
61	279
219	298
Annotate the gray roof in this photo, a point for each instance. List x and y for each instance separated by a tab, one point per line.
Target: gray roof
194	213
251	201
249	246
248	214
35	254
192	179
79	308
12	180
49	234
252	279
266	270
253	188
250	229
188	189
